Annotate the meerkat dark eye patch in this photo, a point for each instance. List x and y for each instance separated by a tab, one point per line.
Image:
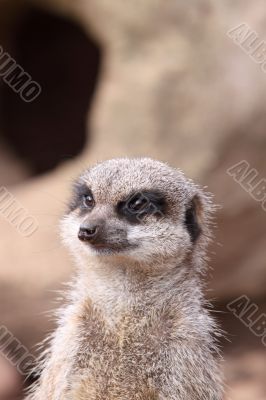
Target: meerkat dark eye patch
192	219
140	204
82	197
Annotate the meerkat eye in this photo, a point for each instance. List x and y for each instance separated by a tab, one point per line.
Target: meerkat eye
82	197
141	204
137	203
88	201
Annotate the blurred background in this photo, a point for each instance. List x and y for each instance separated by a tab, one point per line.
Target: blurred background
133	77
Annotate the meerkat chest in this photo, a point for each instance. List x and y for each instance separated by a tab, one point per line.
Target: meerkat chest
125	361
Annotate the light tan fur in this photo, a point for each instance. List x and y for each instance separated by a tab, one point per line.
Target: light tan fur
135	325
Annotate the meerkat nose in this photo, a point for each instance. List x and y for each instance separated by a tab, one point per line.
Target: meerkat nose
88	232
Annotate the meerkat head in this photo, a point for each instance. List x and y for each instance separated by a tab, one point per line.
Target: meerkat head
138	210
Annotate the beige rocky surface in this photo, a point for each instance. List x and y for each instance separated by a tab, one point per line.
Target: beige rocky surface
245	376
12	171
175	87
10	381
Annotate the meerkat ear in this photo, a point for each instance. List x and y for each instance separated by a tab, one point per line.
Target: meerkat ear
193	217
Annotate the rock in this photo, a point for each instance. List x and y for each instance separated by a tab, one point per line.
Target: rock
10	382
12	171
246	376
174	86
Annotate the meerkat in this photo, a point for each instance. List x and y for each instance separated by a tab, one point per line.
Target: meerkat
136	325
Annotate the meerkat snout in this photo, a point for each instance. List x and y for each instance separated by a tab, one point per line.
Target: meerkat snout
90	232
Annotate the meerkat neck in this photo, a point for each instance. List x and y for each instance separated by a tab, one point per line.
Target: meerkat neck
116	290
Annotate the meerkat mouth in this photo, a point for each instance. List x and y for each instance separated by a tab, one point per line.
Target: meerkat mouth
108	249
